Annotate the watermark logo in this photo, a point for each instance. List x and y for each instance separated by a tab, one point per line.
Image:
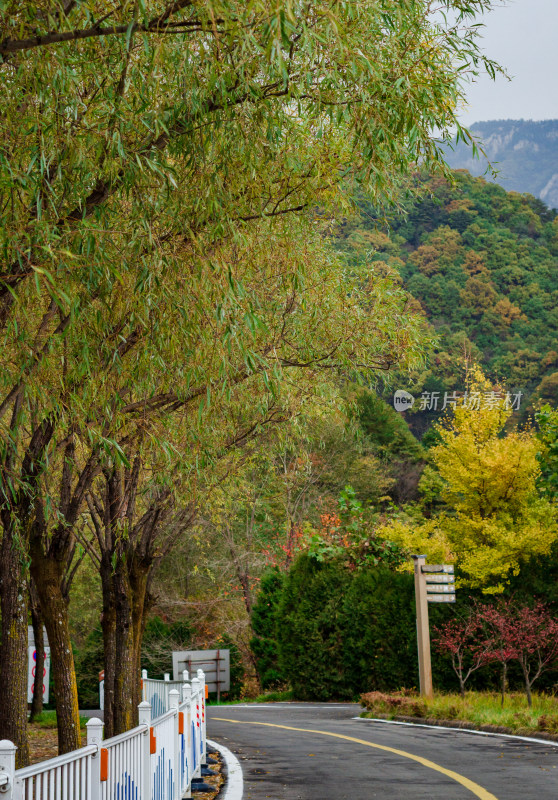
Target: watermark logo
402	400
439	401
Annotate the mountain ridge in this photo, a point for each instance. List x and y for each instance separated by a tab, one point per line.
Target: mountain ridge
481	263
524	153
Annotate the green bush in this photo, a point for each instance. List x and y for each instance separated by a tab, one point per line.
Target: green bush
379	630
264	641
341	632
310	630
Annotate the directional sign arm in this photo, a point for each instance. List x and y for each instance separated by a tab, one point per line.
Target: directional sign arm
440	598
446	578
440	568
440	588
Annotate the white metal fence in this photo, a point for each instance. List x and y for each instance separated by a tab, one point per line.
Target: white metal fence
157	692
157	760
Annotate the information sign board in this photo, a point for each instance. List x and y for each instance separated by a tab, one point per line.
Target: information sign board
215	664
434	583
32	667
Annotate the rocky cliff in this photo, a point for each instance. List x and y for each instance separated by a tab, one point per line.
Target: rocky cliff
524	153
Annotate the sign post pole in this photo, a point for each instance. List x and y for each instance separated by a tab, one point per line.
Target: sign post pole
218	676
423	631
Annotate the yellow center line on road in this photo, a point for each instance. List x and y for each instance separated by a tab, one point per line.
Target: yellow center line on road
473	787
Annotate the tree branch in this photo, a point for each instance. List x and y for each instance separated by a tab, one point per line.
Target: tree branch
159	24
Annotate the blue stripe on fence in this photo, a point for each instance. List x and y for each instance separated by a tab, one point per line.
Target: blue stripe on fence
126	789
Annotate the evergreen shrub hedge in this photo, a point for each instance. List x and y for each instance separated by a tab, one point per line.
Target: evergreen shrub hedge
264	641
333	633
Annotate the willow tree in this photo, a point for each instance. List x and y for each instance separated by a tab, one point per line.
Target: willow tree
133	130
264	325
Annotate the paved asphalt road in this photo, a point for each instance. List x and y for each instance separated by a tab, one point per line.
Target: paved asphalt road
286	754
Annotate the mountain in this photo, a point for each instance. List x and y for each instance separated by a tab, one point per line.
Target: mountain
524	153
482	265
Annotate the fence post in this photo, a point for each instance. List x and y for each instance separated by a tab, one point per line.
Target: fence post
94	731
95	736
174	700
144	712
187	701
166	690
7	767
196	699
201	678
142	684
144	715
185	676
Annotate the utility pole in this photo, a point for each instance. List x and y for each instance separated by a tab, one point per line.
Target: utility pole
423	631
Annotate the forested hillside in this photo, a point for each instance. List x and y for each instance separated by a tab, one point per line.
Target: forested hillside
524	154
349	483
481	262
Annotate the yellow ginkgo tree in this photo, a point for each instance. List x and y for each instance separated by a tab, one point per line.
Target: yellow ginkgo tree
494	517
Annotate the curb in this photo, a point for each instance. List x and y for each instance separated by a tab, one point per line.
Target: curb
234	783
465	727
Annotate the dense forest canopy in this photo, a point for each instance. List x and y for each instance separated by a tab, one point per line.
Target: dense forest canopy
481	262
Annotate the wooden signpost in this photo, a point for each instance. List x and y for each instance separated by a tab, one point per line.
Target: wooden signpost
434	583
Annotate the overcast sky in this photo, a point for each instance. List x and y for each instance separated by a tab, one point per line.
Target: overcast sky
522	35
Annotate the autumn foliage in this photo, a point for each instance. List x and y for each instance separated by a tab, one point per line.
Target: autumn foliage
502	633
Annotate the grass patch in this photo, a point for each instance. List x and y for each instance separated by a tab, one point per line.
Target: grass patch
47	719
269	697
275	697
477	708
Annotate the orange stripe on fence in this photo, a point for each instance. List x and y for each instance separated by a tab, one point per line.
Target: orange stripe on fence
181	722
152	741
104	764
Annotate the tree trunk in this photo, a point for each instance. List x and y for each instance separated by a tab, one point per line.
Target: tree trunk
141	604
37	622
15	509
13	652
126	659
125	606
529	697
48	576
528	685
504	679
108	624
242	577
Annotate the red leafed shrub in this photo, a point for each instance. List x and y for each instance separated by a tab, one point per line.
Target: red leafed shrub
502	633
404	703
462	638
549	723
528	635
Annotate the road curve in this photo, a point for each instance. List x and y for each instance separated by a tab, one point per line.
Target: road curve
310	751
